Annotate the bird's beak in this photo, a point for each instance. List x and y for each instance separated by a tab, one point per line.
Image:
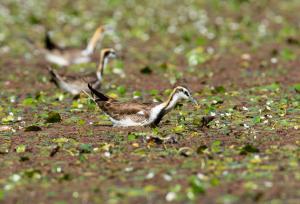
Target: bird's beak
115	55
194	101
109	29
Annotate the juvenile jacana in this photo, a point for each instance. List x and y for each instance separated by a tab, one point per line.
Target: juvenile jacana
127	114
75	84
68	56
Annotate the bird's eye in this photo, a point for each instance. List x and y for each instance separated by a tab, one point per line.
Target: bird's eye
186	93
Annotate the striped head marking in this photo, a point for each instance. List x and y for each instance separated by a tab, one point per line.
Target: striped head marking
108	53
183	93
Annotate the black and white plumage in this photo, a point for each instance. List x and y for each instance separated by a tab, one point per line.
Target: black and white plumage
127	114
68	56
75	84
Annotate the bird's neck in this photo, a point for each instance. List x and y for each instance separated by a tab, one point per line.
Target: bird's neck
102	64
93	42
171	102
165	107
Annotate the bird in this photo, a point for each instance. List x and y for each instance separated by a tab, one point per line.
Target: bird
75	84
67	56
126	114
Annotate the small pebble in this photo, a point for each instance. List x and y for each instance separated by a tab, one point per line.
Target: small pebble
170	196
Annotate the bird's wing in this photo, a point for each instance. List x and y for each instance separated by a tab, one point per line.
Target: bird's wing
90	78
83	78
118	110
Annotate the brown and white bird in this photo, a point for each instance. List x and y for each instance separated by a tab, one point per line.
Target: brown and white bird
68	56
127	114
75	84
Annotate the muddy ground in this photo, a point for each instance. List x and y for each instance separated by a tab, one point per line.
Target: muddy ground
239	58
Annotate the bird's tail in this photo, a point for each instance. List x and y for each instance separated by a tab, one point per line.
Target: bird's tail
99	96
55	78
49	44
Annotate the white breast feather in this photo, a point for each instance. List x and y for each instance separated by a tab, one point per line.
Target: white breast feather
154	113
140	113
69	88
127	122
61	61
56	59
83	59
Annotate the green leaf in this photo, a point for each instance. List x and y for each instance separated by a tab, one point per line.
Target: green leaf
32	173
218	89
297	88
53	117
121	90
137	94
228	199
197	185
65	177
256	119
248	148
61	140
21	148
288	54
32	128
29	102
179	129
146	70
214	181
271	87
24	158
85	148
154	92
8	119
119	64
81	122
201	149
216	146
131	137
187	36
197	56
2	195
201	41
